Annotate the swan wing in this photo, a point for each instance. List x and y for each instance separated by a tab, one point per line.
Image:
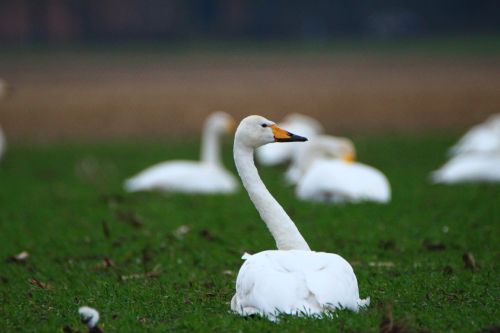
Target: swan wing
469	168
183	176
338	181
295	282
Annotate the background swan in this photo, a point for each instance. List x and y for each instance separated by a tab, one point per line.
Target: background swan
207	176
277	154
324	171
467	168
293	279
476	156
482	138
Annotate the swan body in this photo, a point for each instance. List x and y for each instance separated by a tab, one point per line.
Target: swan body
468	168
207	176
340	181
184	176
293	279
324	171
482	138
271	155
295	282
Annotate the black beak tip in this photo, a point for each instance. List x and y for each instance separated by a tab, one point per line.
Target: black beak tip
298	138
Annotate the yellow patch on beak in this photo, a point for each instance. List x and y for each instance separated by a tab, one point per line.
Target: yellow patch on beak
349	157
280	134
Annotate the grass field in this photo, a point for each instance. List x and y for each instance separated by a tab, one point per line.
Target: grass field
91	244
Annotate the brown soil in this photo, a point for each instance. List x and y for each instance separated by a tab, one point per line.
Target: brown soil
120	97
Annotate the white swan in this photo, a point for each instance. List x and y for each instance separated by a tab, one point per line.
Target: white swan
270	155
207	176
482	138
324	171
293	279
468	168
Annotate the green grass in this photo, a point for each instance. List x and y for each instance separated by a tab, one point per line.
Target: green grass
54	199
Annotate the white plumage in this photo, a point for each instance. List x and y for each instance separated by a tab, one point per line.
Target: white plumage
270	155
469	168
483	138
207	176
295	282
341	181
184	176
293	279
476	156
89	315
324	171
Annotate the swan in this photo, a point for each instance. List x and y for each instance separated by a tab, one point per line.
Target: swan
271	155
482	138
207	176
468	168
325	171
293	279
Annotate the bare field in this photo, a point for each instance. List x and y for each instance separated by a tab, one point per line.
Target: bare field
120	96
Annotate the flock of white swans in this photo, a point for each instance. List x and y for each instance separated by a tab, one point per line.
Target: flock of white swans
294	279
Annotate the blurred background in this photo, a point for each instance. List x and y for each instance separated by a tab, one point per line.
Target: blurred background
130	69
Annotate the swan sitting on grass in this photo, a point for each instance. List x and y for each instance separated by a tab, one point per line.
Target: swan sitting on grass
271	155
483	138
293	279
325	171
475	158
207	176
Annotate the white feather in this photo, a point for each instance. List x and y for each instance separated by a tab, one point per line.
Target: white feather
469	168
330	180
207	176
482	138
89	315
183	176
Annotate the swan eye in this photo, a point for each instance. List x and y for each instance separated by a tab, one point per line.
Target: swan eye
264	125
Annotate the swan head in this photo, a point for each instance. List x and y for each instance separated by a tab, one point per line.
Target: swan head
256	131
221	122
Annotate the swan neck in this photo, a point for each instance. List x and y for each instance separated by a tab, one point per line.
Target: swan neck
282	228
210	145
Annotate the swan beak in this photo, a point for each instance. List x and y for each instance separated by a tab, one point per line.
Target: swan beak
280	135
349	158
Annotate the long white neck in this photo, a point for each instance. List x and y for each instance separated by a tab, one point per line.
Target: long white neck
284	231
210	145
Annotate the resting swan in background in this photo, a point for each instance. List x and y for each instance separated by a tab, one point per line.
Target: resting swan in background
482	138
469	168
270	155
324	171
476	157
207	176
293	279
